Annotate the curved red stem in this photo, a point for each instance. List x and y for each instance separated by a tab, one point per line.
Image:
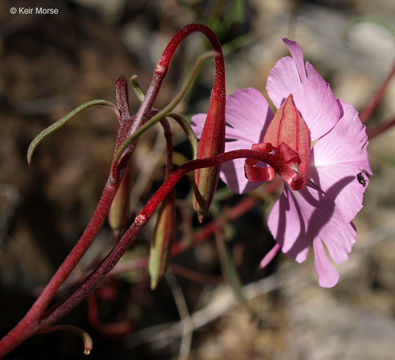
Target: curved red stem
33	320
74	298
30	322
163	66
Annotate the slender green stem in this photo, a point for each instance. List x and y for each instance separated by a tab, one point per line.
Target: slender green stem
181	120
136	88
185	125
58	124
85	337
228	267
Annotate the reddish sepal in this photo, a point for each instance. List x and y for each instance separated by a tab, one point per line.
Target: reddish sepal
288	140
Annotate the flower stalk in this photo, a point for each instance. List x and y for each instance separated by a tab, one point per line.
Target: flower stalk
37	318
127	239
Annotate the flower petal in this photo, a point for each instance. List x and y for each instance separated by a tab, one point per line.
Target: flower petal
197	124
327	274
248	114
268	258
347	159
312	94
288	226
300	217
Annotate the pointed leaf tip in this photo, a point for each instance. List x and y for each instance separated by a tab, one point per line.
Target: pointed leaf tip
85	337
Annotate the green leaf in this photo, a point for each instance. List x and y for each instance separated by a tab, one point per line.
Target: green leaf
58	124
136	88
229	269
165	232
186	126
85	337
237	43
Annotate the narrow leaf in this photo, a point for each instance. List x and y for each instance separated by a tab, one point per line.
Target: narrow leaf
229	269
52	128
119	211
85	337
165	232
185	125
136	88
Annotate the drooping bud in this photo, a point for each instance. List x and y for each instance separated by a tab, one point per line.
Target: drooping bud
288	139
212	142
118	214
213	136
165	232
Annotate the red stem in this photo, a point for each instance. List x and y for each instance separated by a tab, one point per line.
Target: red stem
169	146
30	322
213	135
380	128
239	209
140	221
367	112
235	212
232	214
167	55
194	276
121	96
163	66
125	123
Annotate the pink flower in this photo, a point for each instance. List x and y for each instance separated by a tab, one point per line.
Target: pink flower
321	212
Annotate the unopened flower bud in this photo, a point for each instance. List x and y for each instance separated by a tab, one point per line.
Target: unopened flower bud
165	232
119	210
212	142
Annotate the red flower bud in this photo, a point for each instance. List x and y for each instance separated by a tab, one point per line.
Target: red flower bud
288	137
212	142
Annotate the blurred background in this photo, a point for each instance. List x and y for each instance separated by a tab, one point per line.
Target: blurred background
49	64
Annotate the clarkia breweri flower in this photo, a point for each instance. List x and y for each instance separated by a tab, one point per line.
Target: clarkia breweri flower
318	136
